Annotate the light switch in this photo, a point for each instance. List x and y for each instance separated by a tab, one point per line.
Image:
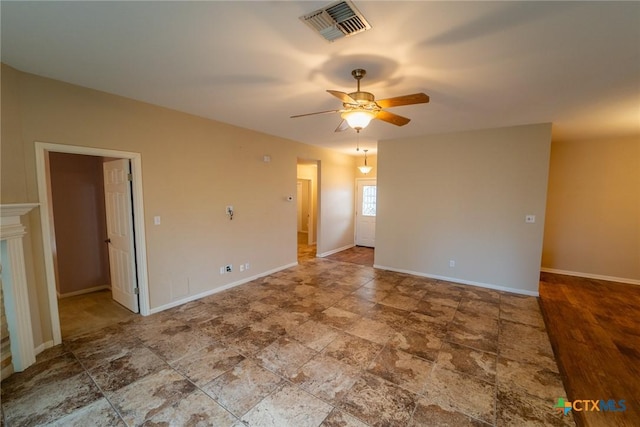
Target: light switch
156	220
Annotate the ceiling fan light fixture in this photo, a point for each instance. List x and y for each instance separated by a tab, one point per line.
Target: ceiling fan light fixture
365	169
358	119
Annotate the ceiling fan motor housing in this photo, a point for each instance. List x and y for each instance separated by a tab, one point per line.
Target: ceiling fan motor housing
362	97
365	100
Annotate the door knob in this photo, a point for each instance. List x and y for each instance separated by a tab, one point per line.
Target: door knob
108	241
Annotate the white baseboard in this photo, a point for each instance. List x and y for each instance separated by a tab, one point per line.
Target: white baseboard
591	276
461	281
219	289
83	291
334	251
42	347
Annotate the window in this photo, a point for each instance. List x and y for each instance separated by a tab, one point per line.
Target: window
369	200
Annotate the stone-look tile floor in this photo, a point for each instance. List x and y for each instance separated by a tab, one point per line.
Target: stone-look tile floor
325	343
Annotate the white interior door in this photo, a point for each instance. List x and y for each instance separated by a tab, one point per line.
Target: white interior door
117	193
366	213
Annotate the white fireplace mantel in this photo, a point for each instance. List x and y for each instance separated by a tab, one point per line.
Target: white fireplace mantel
14	284
16	209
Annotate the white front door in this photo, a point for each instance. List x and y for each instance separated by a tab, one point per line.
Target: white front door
366	213
122	264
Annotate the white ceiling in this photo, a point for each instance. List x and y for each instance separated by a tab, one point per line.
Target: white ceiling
254	64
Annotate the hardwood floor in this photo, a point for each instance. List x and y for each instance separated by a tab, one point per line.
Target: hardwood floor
356	255
594	328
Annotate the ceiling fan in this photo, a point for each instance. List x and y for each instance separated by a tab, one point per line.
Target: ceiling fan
359	108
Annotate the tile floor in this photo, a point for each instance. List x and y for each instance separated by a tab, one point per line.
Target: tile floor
325	343
89	312
305	251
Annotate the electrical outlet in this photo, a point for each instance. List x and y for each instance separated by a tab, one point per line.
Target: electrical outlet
228	268
530	219
246	266
241	267
452	263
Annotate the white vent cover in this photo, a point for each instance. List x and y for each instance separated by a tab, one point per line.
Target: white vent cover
339	19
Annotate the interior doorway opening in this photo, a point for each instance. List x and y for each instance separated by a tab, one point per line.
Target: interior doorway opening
307	208
91	212
135	213
303	196
81	249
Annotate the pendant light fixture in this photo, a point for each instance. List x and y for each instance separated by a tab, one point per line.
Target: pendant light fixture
365	169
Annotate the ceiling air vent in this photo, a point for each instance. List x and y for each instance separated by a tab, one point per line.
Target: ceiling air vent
338	20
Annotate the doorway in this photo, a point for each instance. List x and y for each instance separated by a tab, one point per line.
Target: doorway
307	208
138	265
90	276
304	210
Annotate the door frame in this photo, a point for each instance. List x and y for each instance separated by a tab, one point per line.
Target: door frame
308	183
41	150
357	207
315	209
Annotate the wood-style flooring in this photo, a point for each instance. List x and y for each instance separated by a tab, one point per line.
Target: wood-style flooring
594	328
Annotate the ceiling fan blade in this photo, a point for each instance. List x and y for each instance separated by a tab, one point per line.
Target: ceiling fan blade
415	98
394	119
342	96
342	126
318	112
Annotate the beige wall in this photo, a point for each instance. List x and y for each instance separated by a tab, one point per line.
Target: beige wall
336	202
464	197
192	169
593	209
13	187
77	189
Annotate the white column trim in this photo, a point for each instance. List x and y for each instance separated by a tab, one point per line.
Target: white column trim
15	289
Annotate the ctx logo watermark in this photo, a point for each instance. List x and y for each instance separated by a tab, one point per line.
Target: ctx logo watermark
590	405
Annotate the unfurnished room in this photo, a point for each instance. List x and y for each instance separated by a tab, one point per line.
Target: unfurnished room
320	213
